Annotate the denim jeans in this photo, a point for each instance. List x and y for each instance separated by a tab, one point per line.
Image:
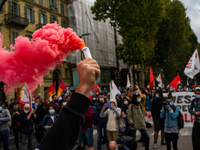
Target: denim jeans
144	135
4	137
87	135
101	126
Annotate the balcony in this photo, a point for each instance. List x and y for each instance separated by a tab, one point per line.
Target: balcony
38	26
16	20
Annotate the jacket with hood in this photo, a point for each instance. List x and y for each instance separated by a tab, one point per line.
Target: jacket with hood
120	101
113	114
98	119
157	105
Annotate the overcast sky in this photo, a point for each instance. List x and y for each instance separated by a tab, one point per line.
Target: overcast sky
193	12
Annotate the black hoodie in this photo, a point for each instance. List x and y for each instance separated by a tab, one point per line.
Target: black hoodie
157	105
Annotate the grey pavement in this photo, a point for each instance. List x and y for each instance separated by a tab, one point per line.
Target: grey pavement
184	142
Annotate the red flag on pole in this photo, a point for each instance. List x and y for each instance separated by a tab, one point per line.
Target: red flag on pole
52	89
90	97
175	82
62	87
151	83
98	87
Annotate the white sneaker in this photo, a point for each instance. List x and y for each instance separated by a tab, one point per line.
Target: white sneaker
155	146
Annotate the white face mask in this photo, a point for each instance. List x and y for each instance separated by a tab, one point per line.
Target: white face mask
126	102
26	111
65	103
94	98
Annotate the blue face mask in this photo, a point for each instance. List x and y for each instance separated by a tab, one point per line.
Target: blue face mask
154	88
171	90
157	96
179	87
171	103
136	92
139	100
1	108
189	90
16	107
197	96
163	86
52	111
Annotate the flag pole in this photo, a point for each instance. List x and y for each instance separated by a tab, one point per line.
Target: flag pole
31	99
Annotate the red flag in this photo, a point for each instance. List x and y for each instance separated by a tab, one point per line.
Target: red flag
52	89
92	91
62	87
98	88
175	82
151	83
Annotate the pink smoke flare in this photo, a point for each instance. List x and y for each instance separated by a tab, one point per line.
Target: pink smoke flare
31	59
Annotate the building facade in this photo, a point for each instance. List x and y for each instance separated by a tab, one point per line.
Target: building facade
22	18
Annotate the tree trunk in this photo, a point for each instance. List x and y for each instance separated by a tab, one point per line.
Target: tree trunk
131	75
142	76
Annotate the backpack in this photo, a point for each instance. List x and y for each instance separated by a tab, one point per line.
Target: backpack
180	120
95	112
128	141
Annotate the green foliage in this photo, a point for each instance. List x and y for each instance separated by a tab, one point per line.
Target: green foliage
136	21
176	40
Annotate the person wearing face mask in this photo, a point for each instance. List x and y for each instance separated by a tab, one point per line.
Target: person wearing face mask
180	88
54	101
40	112
26	120
170	113
100	123
136	119
62	103
112	113
195	110
4	133
158	122
190	89
49	118
119	101
11	104
171	89
15	126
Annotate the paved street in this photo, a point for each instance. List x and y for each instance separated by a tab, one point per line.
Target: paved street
184	143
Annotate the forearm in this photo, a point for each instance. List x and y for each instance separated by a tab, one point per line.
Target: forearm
103	113
117	111
68	125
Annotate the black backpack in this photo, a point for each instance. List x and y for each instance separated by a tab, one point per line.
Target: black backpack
180	120
128	141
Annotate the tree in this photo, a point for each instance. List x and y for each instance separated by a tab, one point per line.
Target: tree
176	40
136	21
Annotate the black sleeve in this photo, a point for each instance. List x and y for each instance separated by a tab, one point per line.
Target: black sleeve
152	108
64	133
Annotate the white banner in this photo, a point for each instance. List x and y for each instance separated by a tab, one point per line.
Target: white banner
193	66
159	79
183	100
25	95
148	117
128	82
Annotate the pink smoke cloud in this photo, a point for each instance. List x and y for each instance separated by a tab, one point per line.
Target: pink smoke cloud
31	59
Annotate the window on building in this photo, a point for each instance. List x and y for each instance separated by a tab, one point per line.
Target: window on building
41	2
53	5
14	35
29	14
64	24
1	10
14	8
62	9
53	19
42	18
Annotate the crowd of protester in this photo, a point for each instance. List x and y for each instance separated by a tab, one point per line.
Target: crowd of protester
113	118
